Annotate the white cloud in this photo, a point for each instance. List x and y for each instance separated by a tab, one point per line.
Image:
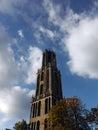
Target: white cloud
10	69
82	46
96	4
79	39
30	64
34	63
20	33
8	66
15	100
53	11
15	103
9	6
64	23
81	43
48	32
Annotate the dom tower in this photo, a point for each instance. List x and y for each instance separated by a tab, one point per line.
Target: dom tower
48	91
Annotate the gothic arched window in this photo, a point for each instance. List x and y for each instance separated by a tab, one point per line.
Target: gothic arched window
33	110
38	80
31	114
47	79
45	123
39	108
32	126
38	125
46	106
49	104
42	76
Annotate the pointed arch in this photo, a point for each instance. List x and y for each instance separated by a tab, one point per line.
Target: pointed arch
38	125
45	124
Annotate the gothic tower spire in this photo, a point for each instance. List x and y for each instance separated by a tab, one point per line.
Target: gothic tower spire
48	91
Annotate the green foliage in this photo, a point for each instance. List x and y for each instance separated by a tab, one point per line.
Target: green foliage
68	114
20	125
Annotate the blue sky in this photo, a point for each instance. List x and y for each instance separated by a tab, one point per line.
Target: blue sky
27	28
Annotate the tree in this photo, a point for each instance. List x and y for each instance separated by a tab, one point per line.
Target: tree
92	116
68	114
21	125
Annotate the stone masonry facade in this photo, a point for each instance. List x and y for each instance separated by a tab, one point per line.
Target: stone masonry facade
48	91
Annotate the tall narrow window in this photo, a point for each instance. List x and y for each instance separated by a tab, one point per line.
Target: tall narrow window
49	57
38	125
49	104
45	124
39	108
31	114
32	126
42	76
37	89
43	60
47	79
46	106
33	110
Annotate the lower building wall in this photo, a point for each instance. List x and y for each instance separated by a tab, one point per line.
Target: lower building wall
38	122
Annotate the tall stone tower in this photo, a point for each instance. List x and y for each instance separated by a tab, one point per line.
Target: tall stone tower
48	91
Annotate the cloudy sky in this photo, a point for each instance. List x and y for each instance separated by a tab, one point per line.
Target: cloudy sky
27	28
